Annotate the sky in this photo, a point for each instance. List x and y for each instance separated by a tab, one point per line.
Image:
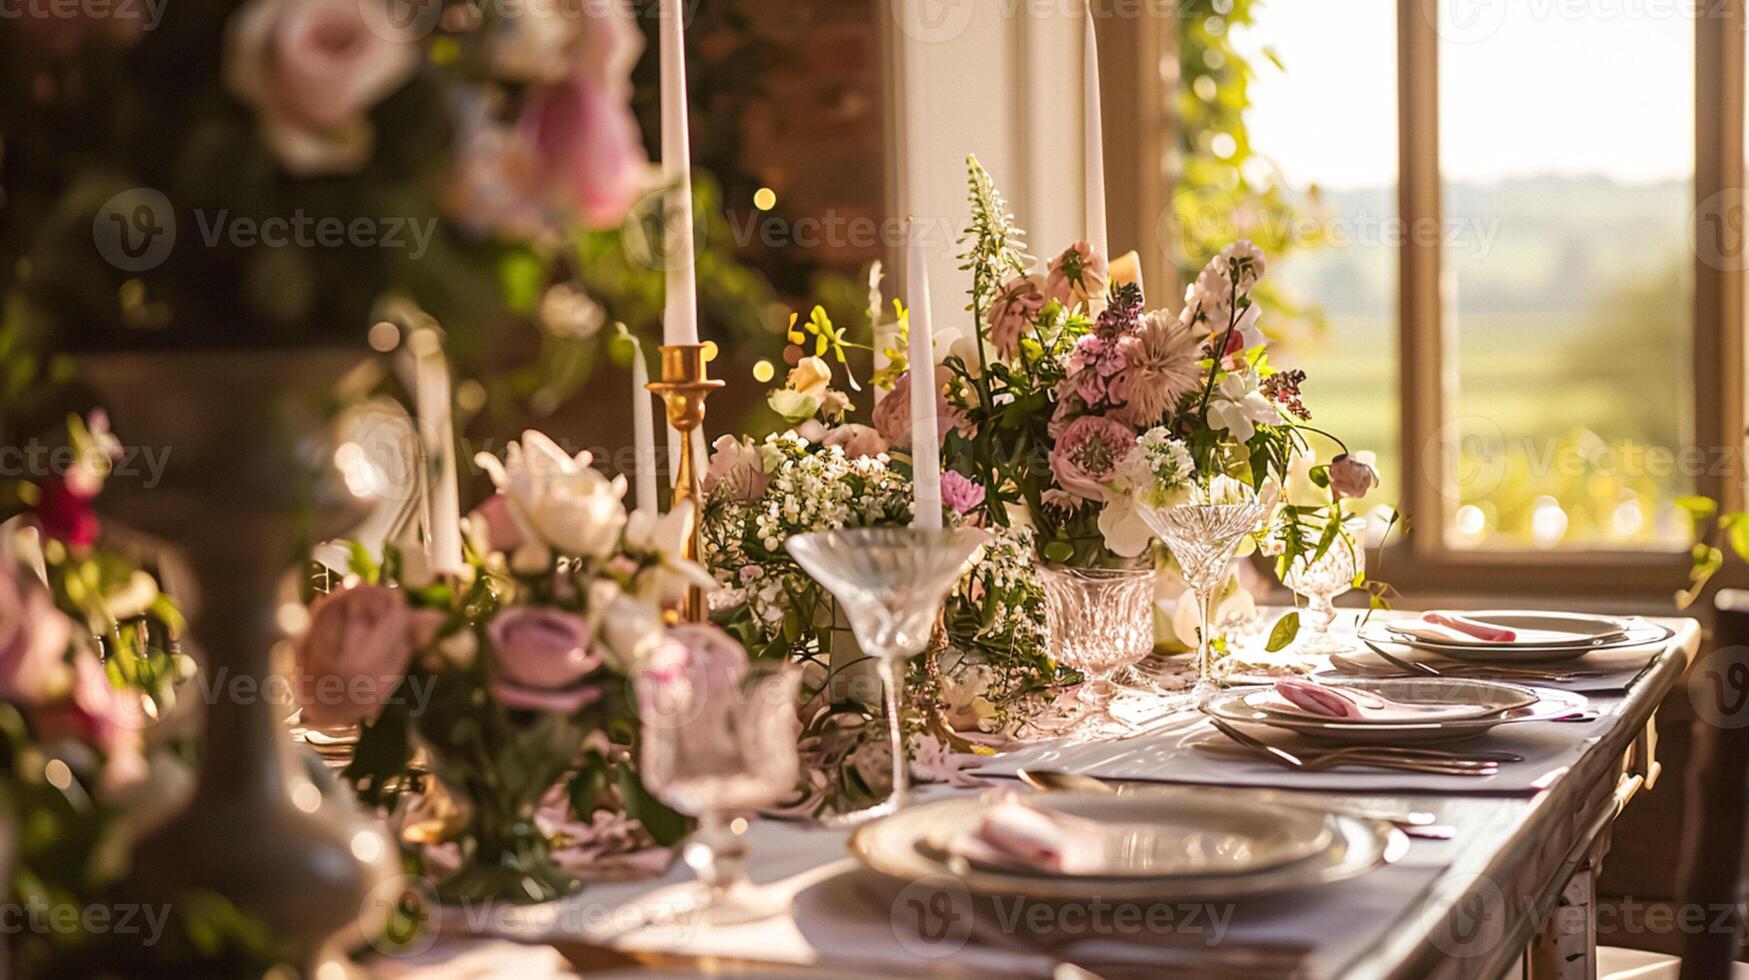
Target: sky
1527	88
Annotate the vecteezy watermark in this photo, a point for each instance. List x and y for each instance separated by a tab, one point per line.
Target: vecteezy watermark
936	21
1474	21
834	229
1718	229
136	230
41	917
148	14
326	690
1475	455
934	917
36	460
1471	236
407	21
406	904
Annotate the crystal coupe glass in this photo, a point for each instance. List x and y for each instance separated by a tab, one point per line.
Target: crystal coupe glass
891	583
1203	538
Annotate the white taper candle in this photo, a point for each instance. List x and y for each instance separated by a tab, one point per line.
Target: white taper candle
925	436
680	307
435	401
1093	147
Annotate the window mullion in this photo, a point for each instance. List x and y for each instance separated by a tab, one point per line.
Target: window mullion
1421	324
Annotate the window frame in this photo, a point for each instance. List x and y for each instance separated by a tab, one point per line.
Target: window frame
1422	561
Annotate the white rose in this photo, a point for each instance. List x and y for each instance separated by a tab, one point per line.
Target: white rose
631	630
559	499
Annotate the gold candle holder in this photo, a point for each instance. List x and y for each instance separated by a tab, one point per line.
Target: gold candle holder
683	389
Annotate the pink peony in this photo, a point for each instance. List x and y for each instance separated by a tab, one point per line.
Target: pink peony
1076	276
1013	313
33	637
960	493
542	656
356	651
588	148
858	441
312	70
736	468
892	415
1088	453
1352	476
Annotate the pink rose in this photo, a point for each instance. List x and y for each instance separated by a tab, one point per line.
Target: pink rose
355	652
858	441
960	493
1351	476
1016	307
542	657
1076	276
892	415
735	467
33	637
493	519
588	148
312	70
1088	453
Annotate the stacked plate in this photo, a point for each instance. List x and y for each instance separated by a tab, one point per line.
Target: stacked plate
1535	636
1400	710
1183	844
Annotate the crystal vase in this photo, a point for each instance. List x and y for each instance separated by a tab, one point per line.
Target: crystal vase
1203	539
1099	621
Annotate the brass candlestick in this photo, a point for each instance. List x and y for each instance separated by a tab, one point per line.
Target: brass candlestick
683	389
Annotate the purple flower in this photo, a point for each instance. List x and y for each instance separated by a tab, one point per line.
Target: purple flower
960	493
542	657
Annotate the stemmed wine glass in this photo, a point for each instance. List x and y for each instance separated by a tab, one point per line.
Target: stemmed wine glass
1203	537
891	582
718	740
1100	621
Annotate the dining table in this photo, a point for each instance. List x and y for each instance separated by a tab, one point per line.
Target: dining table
1508	880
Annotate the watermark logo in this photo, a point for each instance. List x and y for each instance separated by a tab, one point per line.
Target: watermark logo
395	913
135	230
1474	921
400	21
642	234
932	916
933	21
1718	687
1465	21
1716	230
1471	452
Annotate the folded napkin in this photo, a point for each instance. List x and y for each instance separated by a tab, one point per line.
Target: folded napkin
1471	628
1015	833
1349	704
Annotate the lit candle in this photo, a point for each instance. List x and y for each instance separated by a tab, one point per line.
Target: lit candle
925	438
433	398
1093	148
680	308
643	428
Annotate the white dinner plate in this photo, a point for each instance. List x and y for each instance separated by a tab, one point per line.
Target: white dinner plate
1231	707
1189	836
1422	699
1535	628
907	846
1639	632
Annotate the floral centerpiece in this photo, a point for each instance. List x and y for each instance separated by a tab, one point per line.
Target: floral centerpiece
91	755
824	471
1080	409
511	678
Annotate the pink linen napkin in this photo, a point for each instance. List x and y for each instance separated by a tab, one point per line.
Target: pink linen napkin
1318	699
1471	628
1013	832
